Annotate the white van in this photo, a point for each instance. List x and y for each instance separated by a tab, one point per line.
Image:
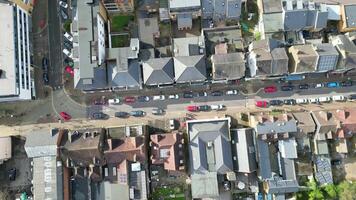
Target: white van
338	98
217	107
68	36
301	101
114	101
324	99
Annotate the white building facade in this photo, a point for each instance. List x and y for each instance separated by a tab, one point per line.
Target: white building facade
15	65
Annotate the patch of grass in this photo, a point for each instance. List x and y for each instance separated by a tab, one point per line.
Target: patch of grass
66	25
120	22
120	41
168	193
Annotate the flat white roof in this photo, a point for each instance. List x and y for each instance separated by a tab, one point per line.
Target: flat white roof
175	4
7	49
5	148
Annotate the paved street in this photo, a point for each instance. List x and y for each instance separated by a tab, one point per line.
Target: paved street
55	42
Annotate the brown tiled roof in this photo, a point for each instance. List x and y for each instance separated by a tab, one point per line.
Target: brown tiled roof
305	122
347	120
130	148
166	144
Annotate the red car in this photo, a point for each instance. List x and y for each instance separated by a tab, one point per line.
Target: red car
69	70
130	99
270	89
193	108
65	116
262	104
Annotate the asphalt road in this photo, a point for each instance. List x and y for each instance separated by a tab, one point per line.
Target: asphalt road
55	51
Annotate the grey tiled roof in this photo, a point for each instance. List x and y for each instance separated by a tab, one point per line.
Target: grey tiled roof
279	186
158	71
190	68
288	169
209	147
221	9
264	159
277	127
126	78
98	82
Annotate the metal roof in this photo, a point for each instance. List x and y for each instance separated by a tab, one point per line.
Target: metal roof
190	68
158	71
244	150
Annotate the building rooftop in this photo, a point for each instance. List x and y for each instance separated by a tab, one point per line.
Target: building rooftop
325	122
43	142
279	186
350	13
158	71
305	57
244	150
209	146
148	30
277	127
272	6
181	4
205	185
188	46
113	190
5	148
47	178
190	68
166	150
305	122
323	174
7	52
229	66
326	49
288	148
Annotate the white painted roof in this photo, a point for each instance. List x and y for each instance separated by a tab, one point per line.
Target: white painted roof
7	49
176	4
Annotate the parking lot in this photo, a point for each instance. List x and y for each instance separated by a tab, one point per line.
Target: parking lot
21	163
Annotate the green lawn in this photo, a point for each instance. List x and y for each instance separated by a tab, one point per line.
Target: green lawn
120	41
169	193
119	22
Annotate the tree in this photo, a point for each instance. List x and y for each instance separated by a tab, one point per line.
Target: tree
315	191
331	191
347	190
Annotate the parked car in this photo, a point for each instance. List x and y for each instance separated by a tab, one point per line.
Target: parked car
218	107
172	125
319	85
99	115
188	95
289	102
63	4
138	113
65	116
44	64
262	104
159	97
336	162
231	92
275	102
129	99
69	70
64	15
304	86
324	99
270	89
302	101
346	84
352	97
143	98
338	98
202	94
67	52
193	108
333	85
68	36
173	96
216	93
67	44
313	100
204	108
287	88
12	174
122	114
157	111
114	101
